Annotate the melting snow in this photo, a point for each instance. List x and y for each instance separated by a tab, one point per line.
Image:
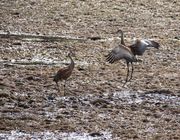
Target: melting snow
43	60
14	135
128	96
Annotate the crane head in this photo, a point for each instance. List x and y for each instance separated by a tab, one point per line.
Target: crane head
119	32
71	52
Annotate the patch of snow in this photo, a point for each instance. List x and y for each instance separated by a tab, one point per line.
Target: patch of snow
44	60
164	98
128	96
13	60
131	97
47	135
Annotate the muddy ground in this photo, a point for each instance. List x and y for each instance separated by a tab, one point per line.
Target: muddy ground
95	106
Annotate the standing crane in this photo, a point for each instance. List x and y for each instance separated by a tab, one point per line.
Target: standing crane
122	51
64	73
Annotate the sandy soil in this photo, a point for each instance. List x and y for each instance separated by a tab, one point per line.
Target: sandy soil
96	106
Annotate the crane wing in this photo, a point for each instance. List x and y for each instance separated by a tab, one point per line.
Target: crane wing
139	47
61	74
150	43
120	52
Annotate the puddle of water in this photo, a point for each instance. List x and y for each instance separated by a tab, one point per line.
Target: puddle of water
47	135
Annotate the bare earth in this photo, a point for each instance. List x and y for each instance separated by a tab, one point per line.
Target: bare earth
96	106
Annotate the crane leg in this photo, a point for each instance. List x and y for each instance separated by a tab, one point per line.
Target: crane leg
132	70
127	74
57	87
64	87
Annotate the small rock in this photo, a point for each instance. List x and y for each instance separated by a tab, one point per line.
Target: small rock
95	134
177	37
17	43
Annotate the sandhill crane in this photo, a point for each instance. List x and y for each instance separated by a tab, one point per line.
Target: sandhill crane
122	51
64	73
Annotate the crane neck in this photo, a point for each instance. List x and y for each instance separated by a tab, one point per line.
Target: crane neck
122	38
72	62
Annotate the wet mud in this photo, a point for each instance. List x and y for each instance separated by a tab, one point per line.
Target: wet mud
95	105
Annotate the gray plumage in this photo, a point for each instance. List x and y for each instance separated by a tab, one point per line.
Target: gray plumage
120	52
128	53
140	46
